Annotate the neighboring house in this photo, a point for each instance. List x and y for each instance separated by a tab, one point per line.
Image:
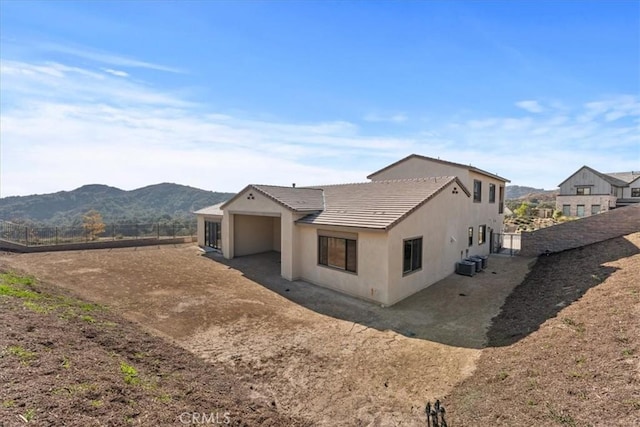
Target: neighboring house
588	192
381	240
209	226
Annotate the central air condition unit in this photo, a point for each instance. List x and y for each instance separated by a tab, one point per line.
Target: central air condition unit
466	268
477	261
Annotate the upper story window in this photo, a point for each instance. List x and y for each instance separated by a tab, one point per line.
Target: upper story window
477	190
583	191
492	193
635	192
338	253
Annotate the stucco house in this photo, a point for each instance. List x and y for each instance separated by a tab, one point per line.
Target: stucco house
588	192
381	240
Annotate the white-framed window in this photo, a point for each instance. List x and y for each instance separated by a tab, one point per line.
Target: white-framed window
482	234
470	236
635	192
580	210
412	255
595	209
583	191
566	210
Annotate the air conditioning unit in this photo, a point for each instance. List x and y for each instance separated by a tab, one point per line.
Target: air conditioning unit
483	260
476	261
466	268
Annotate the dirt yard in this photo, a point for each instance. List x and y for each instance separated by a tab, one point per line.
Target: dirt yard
563	347
313	355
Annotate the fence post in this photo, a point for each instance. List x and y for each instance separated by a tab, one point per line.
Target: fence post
56	235
26	235
173	224
158	225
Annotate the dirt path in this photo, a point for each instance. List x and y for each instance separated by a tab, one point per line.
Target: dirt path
307	358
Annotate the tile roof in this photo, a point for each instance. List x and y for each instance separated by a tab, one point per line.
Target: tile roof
298	199
376	204
211	210
444	162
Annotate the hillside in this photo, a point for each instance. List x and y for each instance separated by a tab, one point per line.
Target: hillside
514	192
151	203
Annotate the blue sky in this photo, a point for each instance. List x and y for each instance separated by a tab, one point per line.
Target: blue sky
220	94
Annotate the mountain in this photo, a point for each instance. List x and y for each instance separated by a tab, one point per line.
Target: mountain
519	192
153	203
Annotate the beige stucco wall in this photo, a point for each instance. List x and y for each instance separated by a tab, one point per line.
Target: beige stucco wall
253	234
200	225
370	281
443	225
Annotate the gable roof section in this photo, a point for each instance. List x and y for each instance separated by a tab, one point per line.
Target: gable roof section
211	210
297	199
444	162
377	204
627	177
607	177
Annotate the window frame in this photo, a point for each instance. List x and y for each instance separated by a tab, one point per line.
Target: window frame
492	193
350	246
583	191
635	190
578	211
597	211
568	212
414	242
482	234
477	191
470	234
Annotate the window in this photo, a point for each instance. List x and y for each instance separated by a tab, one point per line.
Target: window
470	236
595	209
338	253
501	201
212	237
583	191
566	210
492	193
412	259
482	231
477	190
580	210
635	192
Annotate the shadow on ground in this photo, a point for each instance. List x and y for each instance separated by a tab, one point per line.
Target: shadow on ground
455	311
554	283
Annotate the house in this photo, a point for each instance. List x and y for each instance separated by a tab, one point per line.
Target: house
380	240
588	192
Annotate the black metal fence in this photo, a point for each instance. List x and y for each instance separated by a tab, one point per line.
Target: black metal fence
47	235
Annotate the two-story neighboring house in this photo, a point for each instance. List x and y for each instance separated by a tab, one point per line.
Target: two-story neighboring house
588	192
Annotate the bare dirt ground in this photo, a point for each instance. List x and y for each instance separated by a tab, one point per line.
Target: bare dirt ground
565	349
291	350
561	349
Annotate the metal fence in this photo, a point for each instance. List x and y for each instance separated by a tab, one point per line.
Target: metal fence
47	235
506	243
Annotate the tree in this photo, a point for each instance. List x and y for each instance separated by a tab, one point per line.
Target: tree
92	223
523	210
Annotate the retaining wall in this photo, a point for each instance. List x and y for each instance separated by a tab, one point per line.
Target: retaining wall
582	232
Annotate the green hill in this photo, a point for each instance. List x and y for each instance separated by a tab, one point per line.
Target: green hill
153	203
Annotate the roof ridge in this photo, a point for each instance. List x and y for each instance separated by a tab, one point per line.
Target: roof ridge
386	181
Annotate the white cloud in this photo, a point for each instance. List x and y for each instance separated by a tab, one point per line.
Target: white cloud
64	126
118	73
530	106
107	58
